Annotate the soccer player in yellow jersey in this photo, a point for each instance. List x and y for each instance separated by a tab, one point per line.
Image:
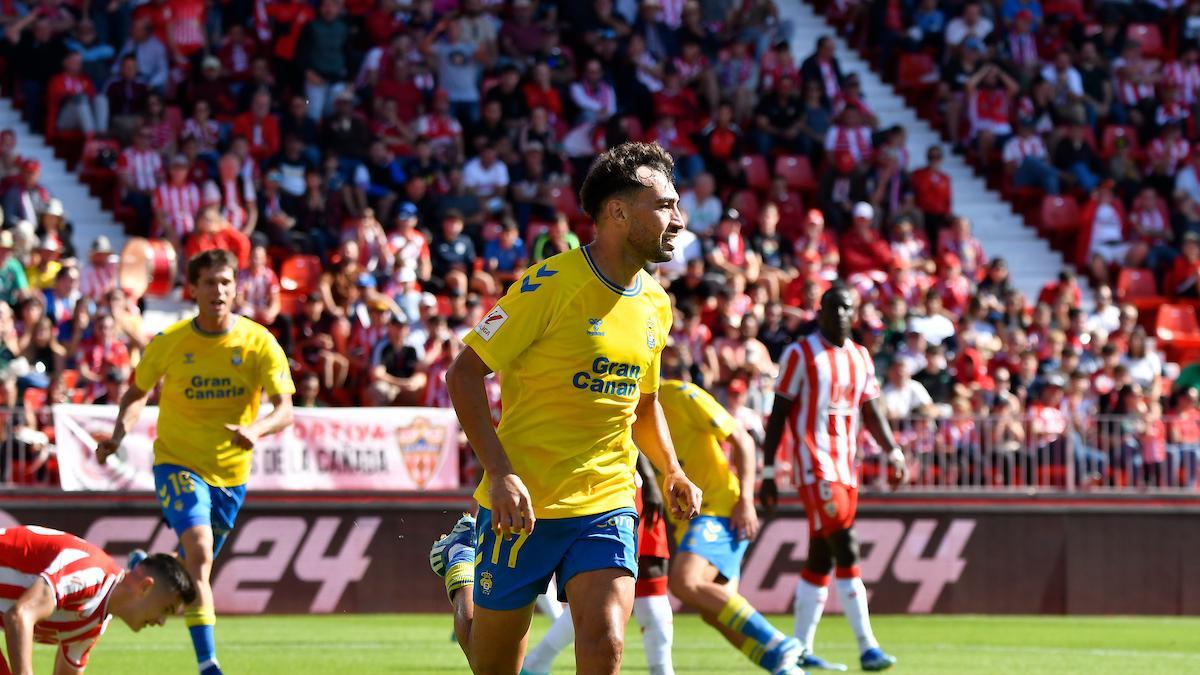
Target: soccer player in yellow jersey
576	342
214	369
707	563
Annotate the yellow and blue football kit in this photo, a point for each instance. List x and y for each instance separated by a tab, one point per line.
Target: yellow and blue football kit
208	381
575	352
698	425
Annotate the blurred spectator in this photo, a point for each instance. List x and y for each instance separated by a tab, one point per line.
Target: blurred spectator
73	101
176	202
213	230
153	65
459	64
902	395
99	275
259	126
322	47
258	296
397	374
27	198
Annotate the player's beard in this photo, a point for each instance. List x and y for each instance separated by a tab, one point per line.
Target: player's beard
650	245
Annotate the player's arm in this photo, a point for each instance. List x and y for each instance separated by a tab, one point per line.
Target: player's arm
781	410
652	499
876	422
744	518
651	435
512	508
128	412
36	603
277	420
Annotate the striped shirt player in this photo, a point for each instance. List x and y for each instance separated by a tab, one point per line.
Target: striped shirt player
56	588
826	387
97	280
81	576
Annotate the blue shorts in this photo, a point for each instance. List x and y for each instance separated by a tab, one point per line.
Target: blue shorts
511	573
713	539
187	501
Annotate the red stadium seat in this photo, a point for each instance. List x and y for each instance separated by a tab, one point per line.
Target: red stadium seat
1113	132
1058	221
564	200
1139	288
297	278
1176	322
1149	37
746	202
758	178
798	172
916	72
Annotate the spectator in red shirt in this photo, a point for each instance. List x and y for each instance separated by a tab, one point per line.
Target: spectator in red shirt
101	353
730	253
954	288
934	192
214	231
73	101
863	249
259	127
959	241
1181	281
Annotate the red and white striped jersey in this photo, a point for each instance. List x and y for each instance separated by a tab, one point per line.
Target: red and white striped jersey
1132	93
206	133
81	575
856	141
142	167
178	205
96	281
257	288
1017	149
1173	153
235	197
1184	76
828	386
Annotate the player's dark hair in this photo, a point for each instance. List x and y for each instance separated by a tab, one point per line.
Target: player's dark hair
206	260
838	286
614	173
167	569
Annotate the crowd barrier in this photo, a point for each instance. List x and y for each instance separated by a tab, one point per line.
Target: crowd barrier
293	553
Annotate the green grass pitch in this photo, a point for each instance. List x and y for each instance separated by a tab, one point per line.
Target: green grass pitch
371	644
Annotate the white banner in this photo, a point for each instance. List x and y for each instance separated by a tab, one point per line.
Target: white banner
324	449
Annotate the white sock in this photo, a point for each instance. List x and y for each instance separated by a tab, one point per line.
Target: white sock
853	596
559	637
548	603
810	603
658	631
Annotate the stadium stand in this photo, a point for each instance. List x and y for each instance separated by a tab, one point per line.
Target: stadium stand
410	157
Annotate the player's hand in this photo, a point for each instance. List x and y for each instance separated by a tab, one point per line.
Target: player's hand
768	495
243	437
652	504
744	519
898	465
512	508
106	448
683	497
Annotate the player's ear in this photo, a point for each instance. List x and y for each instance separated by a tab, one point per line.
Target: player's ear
616	209
145	585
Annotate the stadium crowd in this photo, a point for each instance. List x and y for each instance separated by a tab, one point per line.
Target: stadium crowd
384	170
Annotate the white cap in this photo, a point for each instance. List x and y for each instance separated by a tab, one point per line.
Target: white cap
864	210
55	207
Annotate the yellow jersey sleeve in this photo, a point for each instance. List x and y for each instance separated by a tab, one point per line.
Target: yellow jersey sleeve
274	373
149	369
517	320
708	415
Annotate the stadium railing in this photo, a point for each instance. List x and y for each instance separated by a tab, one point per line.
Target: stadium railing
994	454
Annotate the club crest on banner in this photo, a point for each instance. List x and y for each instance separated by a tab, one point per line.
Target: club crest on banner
420	444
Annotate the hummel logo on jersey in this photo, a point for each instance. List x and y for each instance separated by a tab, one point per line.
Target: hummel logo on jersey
491	323
527	284
594	328
188	358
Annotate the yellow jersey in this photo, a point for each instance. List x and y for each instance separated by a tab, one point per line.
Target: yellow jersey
43	279
575	352
208	381
698	426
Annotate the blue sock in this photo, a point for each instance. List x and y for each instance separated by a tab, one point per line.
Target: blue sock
204	642
739	616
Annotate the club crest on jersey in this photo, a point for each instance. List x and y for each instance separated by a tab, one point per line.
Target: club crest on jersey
491	323
650	339
236	358
485	583
830	509
188	358
595	328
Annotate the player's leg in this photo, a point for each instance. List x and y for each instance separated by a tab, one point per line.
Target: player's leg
597	571
849	585
652	609
696	582
561	634
187	504
812	589
601	602
492	626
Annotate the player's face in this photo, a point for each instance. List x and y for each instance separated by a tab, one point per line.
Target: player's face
152	608
836	316
215	291
654	217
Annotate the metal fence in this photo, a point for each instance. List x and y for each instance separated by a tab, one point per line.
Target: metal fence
956	454
1034	453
